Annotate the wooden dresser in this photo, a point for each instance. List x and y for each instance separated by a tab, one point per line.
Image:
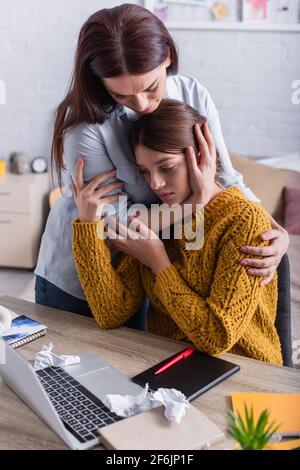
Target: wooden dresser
23	209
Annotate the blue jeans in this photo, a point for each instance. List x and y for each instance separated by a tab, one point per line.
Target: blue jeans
48	294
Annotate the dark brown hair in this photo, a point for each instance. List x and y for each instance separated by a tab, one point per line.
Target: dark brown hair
125	39
169	129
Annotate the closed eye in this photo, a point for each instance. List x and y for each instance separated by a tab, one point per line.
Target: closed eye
163	169
121	97
154	89
168	169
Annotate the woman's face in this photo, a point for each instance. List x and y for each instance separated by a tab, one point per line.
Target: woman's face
166	173
141	93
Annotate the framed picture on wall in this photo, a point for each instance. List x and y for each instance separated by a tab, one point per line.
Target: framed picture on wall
273	11
255	10
283	11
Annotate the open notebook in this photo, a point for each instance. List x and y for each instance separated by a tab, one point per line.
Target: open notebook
23	330
284	409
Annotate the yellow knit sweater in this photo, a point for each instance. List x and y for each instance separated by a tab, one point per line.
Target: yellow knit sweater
205	296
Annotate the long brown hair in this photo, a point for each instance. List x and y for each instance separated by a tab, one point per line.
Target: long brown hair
169	129
125	39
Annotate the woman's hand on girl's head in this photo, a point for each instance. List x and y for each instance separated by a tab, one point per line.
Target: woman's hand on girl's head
271	254
88	198
202	168
138	241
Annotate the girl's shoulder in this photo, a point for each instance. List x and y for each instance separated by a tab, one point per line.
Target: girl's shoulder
243	212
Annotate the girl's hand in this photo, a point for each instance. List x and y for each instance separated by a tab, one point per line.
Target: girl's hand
202	168
88	199
272	254
138	241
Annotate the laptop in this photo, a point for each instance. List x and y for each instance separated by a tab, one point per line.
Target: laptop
68	399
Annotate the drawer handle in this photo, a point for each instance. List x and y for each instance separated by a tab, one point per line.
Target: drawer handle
5	222
5	194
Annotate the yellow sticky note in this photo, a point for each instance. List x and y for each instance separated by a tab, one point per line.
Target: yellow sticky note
2	167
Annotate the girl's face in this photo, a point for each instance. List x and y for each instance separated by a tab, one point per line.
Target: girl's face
166	173
141	93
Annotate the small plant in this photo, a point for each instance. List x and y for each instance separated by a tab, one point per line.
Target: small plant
250	435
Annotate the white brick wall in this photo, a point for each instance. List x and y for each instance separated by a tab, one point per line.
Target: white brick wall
249	75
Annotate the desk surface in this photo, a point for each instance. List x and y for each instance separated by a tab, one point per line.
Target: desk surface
131	352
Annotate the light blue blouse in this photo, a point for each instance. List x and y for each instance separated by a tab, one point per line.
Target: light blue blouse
105	147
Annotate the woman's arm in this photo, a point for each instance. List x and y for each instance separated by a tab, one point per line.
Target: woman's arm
86	141
113	295
216	323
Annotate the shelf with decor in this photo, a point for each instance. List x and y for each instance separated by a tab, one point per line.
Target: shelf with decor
233	26
232	15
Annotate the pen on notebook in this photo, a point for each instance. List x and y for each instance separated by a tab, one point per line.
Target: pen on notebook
183	355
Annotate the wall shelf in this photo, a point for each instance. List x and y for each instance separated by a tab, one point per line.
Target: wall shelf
233	26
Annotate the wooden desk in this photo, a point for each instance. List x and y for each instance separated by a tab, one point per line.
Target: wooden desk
131	352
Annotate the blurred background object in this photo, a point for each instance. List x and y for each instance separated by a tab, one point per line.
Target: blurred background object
2	168
19	163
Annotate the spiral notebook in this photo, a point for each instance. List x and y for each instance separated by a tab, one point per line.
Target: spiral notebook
284	409
23	330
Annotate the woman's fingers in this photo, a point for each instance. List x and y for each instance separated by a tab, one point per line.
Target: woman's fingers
259	250
262	272
209	141
108	188
267	279
109	199
92	185
191	161
203	147
79	174
270	235
259	263
207	147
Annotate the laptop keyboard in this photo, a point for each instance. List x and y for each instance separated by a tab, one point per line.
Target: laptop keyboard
80	411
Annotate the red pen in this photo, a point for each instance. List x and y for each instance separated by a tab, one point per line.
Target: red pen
183	355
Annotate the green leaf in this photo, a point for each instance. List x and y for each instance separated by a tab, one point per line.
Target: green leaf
262	421
241	424
249	419
249	435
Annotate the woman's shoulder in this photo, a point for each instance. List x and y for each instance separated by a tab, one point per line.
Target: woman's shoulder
185	83
189	90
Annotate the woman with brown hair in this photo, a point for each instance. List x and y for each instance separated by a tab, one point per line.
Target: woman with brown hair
202	295
126	62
